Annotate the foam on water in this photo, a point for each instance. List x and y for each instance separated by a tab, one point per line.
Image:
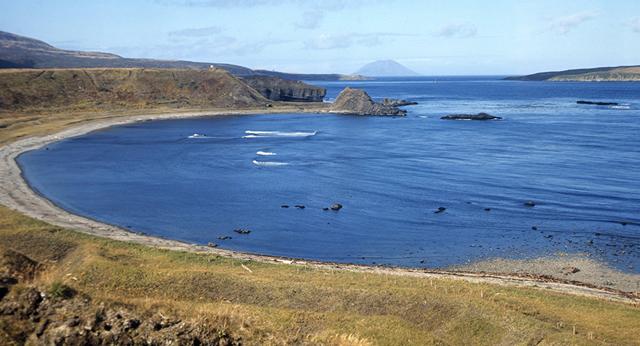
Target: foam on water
197	135
265	153
269	163
258	134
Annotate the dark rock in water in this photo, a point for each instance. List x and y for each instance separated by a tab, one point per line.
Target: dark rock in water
597	103
284	206
479	116
358	102
325	208
336	206
529	204
534	228
278	89
242	231
569	270
212	245
397	102
440	210
487	209
300	206
224	237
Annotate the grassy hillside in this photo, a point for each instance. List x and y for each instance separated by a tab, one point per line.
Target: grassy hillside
600	74
262	303
27	89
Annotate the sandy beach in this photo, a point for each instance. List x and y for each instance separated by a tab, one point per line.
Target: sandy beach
593	278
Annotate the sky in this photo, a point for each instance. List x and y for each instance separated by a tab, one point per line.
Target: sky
456	37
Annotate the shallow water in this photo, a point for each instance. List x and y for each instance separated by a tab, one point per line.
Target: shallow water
579	163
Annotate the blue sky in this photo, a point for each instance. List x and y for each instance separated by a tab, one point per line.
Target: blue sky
322	36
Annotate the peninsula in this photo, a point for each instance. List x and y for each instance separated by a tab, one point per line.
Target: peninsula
599	74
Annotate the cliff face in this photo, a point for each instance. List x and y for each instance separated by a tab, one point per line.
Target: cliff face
278	89
123	88
358	102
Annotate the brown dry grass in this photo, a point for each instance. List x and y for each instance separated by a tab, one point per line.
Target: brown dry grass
284	304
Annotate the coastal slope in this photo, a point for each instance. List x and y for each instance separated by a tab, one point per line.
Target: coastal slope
24	52
599	74
123	88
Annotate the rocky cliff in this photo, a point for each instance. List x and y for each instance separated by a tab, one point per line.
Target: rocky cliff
358	102
278	89
123	88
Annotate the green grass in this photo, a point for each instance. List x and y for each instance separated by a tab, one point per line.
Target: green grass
283	304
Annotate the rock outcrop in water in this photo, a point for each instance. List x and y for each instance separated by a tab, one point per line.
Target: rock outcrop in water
479	116
358	102
398	102
597	103
278	89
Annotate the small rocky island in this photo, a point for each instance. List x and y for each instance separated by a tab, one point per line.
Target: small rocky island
398	102
597	103
479	116
358	102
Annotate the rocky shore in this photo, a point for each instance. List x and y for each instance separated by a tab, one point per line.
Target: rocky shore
277	89
358	102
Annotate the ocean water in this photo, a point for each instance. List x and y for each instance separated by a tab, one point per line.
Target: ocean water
199	179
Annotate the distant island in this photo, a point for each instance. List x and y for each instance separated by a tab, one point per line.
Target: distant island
385	68
24	52
599	74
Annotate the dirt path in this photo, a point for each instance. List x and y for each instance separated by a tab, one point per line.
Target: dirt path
16	194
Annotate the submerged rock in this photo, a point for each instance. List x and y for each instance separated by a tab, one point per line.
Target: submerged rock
440	210
479	116
242	231
597	103
530	204
336	206
569	270
358	102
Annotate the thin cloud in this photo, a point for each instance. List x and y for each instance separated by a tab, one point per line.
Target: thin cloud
457	31
565	24
339	41
634	23
329	5
197	32
310	20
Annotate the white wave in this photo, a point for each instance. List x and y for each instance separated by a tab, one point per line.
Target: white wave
256	134
269	163
265	153
620	107
198	135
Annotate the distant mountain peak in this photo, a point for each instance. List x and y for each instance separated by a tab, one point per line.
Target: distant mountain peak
386	68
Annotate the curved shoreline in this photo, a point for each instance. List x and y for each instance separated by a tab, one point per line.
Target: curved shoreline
16	194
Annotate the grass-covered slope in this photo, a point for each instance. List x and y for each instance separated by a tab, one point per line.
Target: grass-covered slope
599	74
261	303
26	89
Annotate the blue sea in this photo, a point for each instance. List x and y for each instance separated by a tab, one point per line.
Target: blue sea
196	180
